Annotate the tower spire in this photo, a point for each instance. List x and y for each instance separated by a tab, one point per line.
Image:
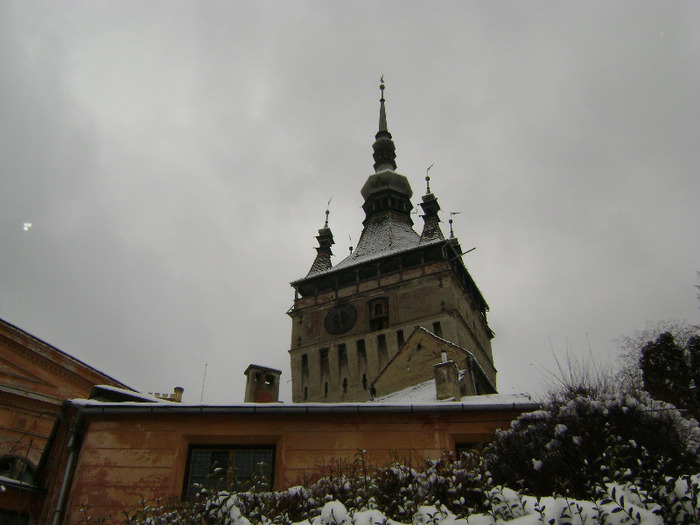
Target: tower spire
382	109
384	148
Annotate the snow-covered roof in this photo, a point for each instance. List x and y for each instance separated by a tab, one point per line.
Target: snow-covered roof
108	393
383	235
424	393
394	240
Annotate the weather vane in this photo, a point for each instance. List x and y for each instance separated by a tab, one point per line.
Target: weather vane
328	206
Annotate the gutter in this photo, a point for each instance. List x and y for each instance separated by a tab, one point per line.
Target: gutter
292	409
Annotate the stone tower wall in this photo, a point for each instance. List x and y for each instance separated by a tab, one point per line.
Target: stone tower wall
429	296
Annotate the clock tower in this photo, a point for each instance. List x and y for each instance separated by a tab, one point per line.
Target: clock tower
350	320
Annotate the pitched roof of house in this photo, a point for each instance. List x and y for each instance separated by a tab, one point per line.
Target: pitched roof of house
48	361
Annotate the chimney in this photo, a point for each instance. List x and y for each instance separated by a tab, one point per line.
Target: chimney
446	380
262	385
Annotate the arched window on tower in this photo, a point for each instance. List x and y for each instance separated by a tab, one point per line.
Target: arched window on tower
378	314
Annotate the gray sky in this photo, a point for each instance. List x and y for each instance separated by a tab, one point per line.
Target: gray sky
175	159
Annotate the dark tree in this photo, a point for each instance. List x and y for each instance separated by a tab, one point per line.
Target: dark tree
665	371
671	371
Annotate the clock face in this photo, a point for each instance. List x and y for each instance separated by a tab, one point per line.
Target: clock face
340	319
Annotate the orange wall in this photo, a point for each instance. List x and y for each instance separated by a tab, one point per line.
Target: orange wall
127	457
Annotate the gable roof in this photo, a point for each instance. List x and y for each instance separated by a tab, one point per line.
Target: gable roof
418	333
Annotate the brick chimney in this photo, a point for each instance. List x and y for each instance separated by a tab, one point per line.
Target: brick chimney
262	385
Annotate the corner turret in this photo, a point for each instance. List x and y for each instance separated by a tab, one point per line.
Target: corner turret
323	252
431	221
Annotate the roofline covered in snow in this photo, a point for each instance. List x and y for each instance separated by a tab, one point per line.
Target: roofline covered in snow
90	407
455	261
367	259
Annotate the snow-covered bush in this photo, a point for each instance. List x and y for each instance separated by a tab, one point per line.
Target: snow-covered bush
614	504
578	442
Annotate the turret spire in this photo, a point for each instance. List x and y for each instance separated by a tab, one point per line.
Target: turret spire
323	252
431	225
384	148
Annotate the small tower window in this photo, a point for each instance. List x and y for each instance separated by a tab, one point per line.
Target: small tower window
361	353
381	345
342	356
437	329
325	367
325	389
379	314
305	365
399	338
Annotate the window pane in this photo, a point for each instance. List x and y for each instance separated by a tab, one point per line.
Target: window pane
263	463
227	468
199	470
243	465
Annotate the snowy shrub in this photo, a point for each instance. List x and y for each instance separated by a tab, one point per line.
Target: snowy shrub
459	485
333	513
397	490
577	442
676	501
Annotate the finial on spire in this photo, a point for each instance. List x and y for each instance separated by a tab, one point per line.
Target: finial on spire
427	179
382	111
328	206
452	233
384	149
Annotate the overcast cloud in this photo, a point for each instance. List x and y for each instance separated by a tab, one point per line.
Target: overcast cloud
174	160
